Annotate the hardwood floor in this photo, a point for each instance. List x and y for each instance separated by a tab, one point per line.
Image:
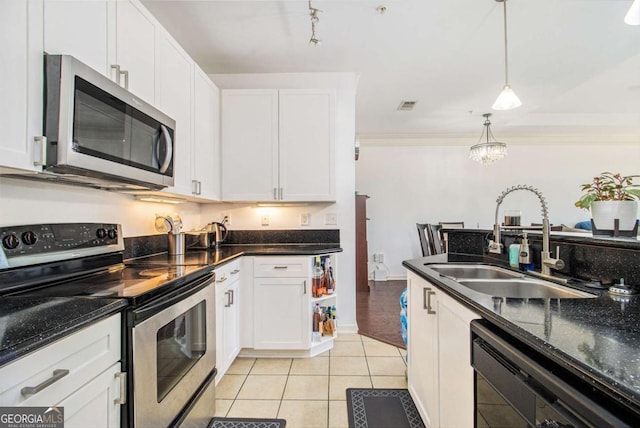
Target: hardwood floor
378	311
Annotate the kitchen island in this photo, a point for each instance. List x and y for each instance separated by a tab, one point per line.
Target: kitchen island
596	339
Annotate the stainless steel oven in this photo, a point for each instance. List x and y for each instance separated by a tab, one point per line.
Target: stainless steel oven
173	353
515	386
168	347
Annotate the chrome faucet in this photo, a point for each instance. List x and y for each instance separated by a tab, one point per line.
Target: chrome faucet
547	263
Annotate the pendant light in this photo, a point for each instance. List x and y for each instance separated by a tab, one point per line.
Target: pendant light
507	99
633	15
488	151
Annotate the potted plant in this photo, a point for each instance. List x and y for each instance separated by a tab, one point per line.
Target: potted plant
611	196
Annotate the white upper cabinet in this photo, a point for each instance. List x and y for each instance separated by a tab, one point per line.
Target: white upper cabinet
205	157
174	97
116	38
91	38
306	124
278	145
21	82
135	49
249	145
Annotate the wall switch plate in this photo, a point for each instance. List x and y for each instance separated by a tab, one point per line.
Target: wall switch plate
304	219
331	219
265	220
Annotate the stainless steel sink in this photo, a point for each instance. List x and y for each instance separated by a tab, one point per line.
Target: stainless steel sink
474	271
500	282
523	288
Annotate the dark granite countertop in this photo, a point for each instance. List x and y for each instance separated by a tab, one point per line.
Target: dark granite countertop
597	339
27	323
226	253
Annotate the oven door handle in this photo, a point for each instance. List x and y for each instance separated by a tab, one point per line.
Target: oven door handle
171	299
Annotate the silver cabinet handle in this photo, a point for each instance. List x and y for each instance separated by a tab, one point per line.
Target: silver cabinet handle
281	267
43	150
426	300
194	187
275	194
116	67
280	194
232	296
122	377
125	73
199	187
222	279
57	375
236	271
228	294
304	287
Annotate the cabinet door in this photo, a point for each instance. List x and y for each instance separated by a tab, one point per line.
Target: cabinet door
135	47
249	145
422	349
20	82
281	313
205	159
306	127
96	403
231	323
91	38
174	74
454	356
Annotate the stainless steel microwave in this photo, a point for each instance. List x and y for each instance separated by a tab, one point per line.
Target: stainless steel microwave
101	135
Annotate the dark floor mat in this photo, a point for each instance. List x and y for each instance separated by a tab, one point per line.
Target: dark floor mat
382	408
246	423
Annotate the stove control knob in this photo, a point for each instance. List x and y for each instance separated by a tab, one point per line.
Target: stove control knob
101	233
29	238
112	234
10	242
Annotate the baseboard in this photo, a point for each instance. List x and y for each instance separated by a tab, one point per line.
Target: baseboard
392	278
347	329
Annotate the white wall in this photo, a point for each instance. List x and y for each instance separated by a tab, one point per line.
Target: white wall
248	217
428	184
31	202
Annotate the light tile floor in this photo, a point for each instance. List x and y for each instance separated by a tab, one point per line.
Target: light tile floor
309	392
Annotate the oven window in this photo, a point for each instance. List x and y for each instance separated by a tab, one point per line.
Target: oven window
180	344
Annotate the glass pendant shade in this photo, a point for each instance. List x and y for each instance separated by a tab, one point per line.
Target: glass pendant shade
507	99
633	15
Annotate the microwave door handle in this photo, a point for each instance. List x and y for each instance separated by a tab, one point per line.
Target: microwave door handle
169	149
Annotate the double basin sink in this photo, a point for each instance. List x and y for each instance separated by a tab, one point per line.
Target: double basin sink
499	282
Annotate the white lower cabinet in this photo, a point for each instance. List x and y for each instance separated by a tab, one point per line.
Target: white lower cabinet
80	372
227	316
440	376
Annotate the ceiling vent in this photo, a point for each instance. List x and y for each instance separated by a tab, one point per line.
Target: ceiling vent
407	105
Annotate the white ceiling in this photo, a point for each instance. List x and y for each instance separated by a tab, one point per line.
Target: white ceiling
574	63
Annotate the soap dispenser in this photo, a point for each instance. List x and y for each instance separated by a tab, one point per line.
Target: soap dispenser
526	263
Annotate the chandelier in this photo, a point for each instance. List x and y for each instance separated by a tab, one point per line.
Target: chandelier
488	151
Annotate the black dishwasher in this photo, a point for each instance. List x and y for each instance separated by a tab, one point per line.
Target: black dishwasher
515	386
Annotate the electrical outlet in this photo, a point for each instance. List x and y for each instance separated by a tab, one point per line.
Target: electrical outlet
375	257
331	219
304	219
380	258
265	220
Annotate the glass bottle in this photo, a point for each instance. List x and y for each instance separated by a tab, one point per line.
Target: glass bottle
316	279
317	319
328	276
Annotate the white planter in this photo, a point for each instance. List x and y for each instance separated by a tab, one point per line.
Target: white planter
605	212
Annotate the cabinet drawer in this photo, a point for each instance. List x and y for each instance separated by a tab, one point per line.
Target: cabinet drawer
85	354
281	267
228	273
